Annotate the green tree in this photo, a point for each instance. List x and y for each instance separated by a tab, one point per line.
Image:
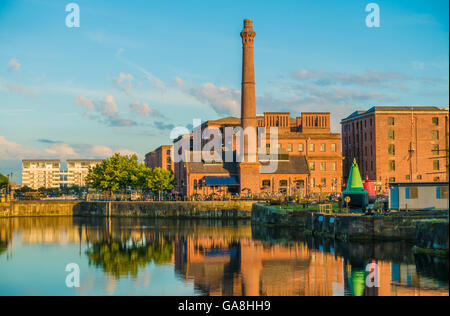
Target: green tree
161	180
115	173
3	182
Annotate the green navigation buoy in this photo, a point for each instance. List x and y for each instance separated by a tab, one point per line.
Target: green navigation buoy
355	189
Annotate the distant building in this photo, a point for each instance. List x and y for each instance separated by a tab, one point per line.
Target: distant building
41	173
418	196
47	173
397	144
162	157
77	171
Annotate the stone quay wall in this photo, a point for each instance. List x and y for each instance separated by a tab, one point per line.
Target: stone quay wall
187	209
264	214
432	235
394	226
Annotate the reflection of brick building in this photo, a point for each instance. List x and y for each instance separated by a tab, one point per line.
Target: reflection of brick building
397	144
309	155
161	157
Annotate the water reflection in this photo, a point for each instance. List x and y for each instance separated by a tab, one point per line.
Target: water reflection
214	258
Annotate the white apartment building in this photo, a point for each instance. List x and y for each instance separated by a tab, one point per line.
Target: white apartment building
41	173
77	171
47	173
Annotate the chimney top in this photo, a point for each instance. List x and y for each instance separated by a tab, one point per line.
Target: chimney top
248	23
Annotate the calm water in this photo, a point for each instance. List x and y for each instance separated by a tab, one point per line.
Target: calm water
160	257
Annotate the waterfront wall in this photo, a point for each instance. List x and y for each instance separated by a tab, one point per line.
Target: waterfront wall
269	215
345	227
188	209
432	235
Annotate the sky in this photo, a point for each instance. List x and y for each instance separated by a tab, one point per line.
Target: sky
133	71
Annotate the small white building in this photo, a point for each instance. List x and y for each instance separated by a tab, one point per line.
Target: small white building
417	196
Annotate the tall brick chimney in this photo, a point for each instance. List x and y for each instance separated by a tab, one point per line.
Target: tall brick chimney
249	172
248	103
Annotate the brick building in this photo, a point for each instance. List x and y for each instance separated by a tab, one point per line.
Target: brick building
161	157
397	144
309	155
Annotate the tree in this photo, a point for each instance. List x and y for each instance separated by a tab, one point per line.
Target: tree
3	182
115	173
161	180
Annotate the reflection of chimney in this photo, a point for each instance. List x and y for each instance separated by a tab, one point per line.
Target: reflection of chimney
248	104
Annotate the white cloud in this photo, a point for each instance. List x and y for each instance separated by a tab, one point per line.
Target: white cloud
179	82
224	100
13	151
105	111
100	151
84	102
61	151
108	107
20	89
124	82
140	108
10	150
14	65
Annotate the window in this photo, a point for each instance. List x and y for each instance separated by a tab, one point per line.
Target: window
266	183
279	146
436	165
419	177
391	134
333	148
392	179
312	147
442	192
323	182
391	150
435	135
391	165
283	183
435	121
289	146
322	147
408	177
411	193
195	184
312	166
333	166
313	182
435	150
436	179
323	166
301	148
391	121
334	182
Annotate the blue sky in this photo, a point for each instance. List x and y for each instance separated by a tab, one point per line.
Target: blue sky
133	70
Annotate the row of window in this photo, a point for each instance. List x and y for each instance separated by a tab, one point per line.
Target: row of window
412	193
391	150
323	166
434	134
312	147
436	166
434	121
